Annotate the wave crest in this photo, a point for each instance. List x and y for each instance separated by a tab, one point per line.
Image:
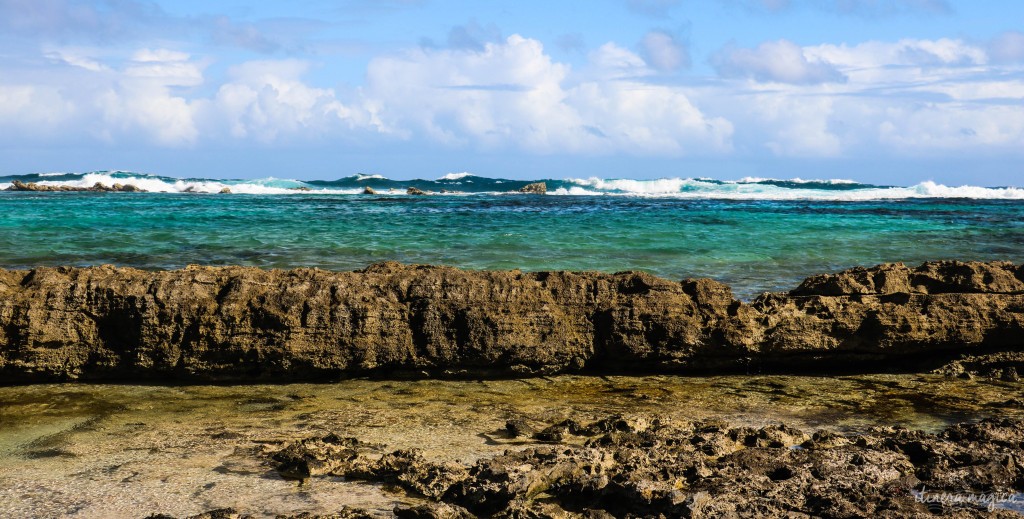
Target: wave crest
468	184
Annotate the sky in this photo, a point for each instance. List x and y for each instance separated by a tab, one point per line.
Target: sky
881	91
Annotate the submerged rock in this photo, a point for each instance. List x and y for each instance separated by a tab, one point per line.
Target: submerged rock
246	324
536	188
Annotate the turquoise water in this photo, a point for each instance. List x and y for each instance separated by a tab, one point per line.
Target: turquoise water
754	245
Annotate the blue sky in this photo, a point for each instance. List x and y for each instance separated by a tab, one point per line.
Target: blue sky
890	91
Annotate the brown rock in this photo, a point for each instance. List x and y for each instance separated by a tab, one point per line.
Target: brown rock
414	191
536	188
99	187
236	323
369	191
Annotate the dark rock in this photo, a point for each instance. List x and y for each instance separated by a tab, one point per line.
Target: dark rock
518	427
536	188
434	511
1010	375
414	191
220	513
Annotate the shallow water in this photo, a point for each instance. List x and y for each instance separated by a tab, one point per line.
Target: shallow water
99	451
753	245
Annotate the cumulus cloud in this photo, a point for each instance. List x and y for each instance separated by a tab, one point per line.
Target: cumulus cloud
513	95
664	51
268	100
910	96
781	61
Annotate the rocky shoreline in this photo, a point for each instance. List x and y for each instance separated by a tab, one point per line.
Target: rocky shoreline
239	324
646	466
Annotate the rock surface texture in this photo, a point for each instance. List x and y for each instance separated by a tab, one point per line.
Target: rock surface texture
646	466
536	188
248	324
18	185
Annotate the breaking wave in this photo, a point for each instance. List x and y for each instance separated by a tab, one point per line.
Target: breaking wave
750	188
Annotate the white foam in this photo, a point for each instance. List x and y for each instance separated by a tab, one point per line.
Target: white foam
361	177
639	187
751	190
158	185
679	188
797	180
456	176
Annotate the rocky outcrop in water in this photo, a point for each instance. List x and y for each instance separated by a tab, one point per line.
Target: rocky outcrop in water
247	324
98	187
647	466
536	188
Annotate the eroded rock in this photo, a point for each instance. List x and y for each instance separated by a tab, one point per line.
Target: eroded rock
247	324
18	185
650	467
536	188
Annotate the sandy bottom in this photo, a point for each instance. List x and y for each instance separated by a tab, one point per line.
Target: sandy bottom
103	451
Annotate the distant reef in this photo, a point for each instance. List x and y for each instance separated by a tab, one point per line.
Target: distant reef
98	187
242	324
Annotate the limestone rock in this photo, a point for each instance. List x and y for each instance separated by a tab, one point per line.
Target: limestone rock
98	187
248	324
536	188
648	466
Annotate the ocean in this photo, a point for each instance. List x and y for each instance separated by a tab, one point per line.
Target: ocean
754	234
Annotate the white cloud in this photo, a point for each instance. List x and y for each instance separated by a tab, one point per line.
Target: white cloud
905	52
76	57
910	96
159	56
905	97
778	61
141	98
33	109
513	95
611	61
953	127
267	100
664	52
1008	47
